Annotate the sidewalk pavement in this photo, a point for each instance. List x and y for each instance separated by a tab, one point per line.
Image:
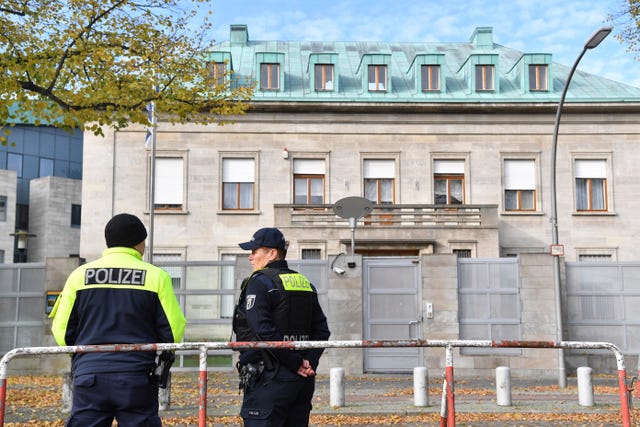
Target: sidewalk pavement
370	400
388	399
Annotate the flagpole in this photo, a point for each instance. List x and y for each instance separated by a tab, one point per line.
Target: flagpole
152	190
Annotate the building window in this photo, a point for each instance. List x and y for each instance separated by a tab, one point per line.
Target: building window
519	185
217	72
238	177
311	253
46	167
269	76
1	256
377	77
538	77
14	163
430	78
308	181
324	77
169	183
3	208
462	253
175	271
484	77
448	180
594	257
379	181
591	185
76	211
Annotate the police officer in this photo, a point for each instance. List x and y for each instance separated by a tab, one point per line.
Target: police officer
277	304
117	299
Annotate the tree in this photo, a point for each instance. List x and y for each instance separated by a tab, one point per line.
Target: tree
629	20
95	63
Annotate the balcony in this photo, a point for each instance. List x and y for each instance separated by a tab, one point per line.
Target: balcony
394	216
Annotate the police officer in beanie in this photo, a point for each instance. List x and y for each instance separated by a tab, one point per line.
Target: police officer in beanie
117	299
277	304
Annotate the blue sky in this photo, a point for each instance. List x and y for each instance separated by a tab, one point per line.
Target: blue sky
559	27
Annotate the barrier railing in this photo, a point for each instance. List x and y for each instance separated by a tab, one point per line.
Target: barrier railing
448	410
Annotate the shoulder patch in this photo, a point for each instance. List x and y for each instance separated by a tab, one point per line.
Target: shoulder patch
251	299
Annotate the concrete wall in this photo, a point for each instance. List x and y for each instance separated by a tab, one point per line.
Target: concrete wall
50	200
8	188
116	176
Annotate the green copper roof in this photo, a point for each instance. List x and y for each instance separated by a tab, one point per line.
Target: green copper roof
457	62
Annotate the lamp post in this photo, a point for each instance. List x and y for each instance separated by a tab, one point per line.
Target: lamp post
591	43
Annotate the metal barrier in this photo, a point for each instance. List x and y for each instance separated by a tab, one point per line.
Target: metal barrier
448	402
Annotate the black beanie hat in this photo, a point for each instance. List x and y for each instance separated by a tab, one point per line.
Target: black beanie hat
124	230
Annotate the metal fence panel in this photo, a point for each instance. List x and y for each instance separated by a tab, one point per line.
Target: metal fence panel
602	302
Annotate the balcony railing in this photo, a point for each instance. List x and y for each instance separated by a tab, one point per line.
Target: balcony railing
420	216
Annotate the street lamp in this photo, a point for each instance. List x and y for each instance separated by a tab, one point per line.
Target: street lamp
556	249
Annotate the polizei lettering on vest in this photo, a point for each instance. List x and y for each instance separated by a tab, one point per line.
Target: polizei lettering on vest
295	338
295	282
114	276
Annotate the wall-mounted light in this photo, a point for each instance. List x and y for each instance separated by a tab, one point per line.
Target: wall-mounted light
285	153
22	236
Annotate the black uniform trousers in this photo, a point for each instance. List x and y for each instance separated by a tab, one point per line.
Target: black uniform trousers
129	397
280	398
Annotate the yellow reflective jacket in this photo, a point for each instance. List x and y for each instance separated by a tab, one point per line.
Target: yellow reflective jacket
117	299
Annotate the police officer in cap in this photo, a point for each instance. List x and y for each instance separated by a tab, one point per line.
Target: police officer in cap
117	299
277	304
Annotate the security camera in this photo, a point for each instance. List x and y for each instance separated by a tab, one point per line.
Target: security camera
338	270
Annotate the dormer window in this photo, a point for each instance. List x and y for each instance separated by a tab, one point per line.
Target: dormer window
484	77
538	77
377	78
217	72
430	77
324	77
269	76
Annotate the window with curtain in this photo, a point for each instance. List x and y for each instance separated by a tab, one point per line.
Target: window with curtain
377	77
238	177
538	77
169	183
448	182
519	185
308	181
430	75
591	185
269	76
324	77
379	180
484	77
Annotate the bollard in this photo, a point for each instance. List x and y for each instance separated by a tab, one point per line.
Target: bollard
67	392
164	396
336	387
503	386
585	386
420	386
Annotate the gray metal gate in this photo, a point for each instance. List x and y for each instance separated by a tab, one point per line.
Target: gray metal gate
602	302
22	305
392	295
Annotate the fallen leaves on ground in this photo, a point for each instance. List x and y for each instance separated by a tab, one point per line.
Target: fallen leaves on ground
29	397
